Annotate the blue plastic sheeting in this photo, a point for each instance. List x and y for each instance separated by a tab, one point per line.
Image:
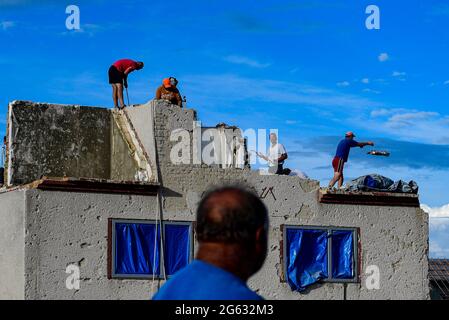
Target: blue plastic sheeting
342	254
176	247
135	249
376	182
306	257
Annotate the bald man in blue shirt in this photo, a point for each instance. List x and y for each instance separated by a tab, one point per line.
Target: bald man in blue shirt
232	232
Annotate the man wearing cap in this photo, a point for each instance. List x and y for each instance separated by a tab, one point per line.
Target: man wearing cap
118	78
168	91
341	156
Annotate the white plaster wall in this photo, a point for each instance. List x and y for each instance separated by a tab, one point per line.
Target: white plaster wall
393	238
12	245
65	228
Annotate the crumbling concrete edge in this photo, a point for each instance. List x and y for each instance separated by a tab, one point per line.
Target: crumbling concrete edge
133	143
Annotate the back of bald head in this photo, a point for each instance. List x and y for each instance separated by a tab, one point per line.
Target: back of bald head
230	215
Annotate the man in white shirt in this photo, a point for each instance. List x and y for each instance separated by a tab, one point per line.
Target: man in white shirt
276	156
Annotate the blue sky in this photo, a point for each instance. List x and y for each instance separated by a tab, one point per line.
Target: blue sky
307	68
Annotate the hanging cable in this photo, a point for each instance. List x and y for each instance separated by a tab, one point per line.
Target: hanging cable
159	214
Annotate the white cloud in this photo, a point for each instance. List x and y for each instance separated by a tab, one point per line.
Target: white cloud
4	25
438	229
232	88
398	74
365	80
410	124
371	91
343	84
437	251
384	112
416	115
89	29
294	70
434	212
245	61
381	112
383	57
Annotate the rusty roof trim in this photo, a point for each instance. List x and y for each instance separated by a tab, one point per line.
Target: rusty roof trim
70	184
377	198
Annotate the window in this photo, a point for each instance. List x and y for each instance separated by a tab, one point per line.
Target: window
313	254
136	249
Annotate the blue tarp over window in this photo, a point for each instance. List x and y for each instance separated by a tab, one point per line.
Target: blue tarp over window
135	249
176	247
342	254
137	253
306	257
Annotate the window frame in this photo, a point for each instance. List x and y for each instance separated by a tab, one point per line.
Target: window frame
329	229
112	248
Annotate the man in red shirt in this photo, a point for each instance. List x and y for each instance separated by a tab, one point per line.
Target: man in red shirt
118	78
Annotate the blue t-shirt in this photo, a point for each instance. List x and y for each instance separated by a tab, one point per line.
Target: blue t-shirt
203	281
343	148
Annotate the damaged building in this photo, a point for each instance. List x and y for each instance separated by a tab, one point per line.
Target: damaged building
88	187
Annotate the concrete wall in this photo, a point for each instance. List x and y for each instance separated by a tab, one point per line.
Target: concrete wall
64	228
12	245
67	140
393	238
141	119
123	165
56	140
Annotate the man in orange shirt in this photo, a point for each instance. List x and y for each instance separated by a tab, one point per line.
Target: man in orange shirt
118	78
168	91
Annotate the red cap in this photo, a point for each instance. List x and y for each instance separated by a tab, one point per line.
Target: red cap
349	134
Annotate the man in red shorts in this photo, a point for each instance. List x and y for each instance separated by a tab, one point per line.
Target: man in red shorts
118	78
341	156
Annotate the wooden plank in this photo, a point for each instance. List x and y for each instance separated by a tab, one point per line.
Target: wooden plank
95	186
370	199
